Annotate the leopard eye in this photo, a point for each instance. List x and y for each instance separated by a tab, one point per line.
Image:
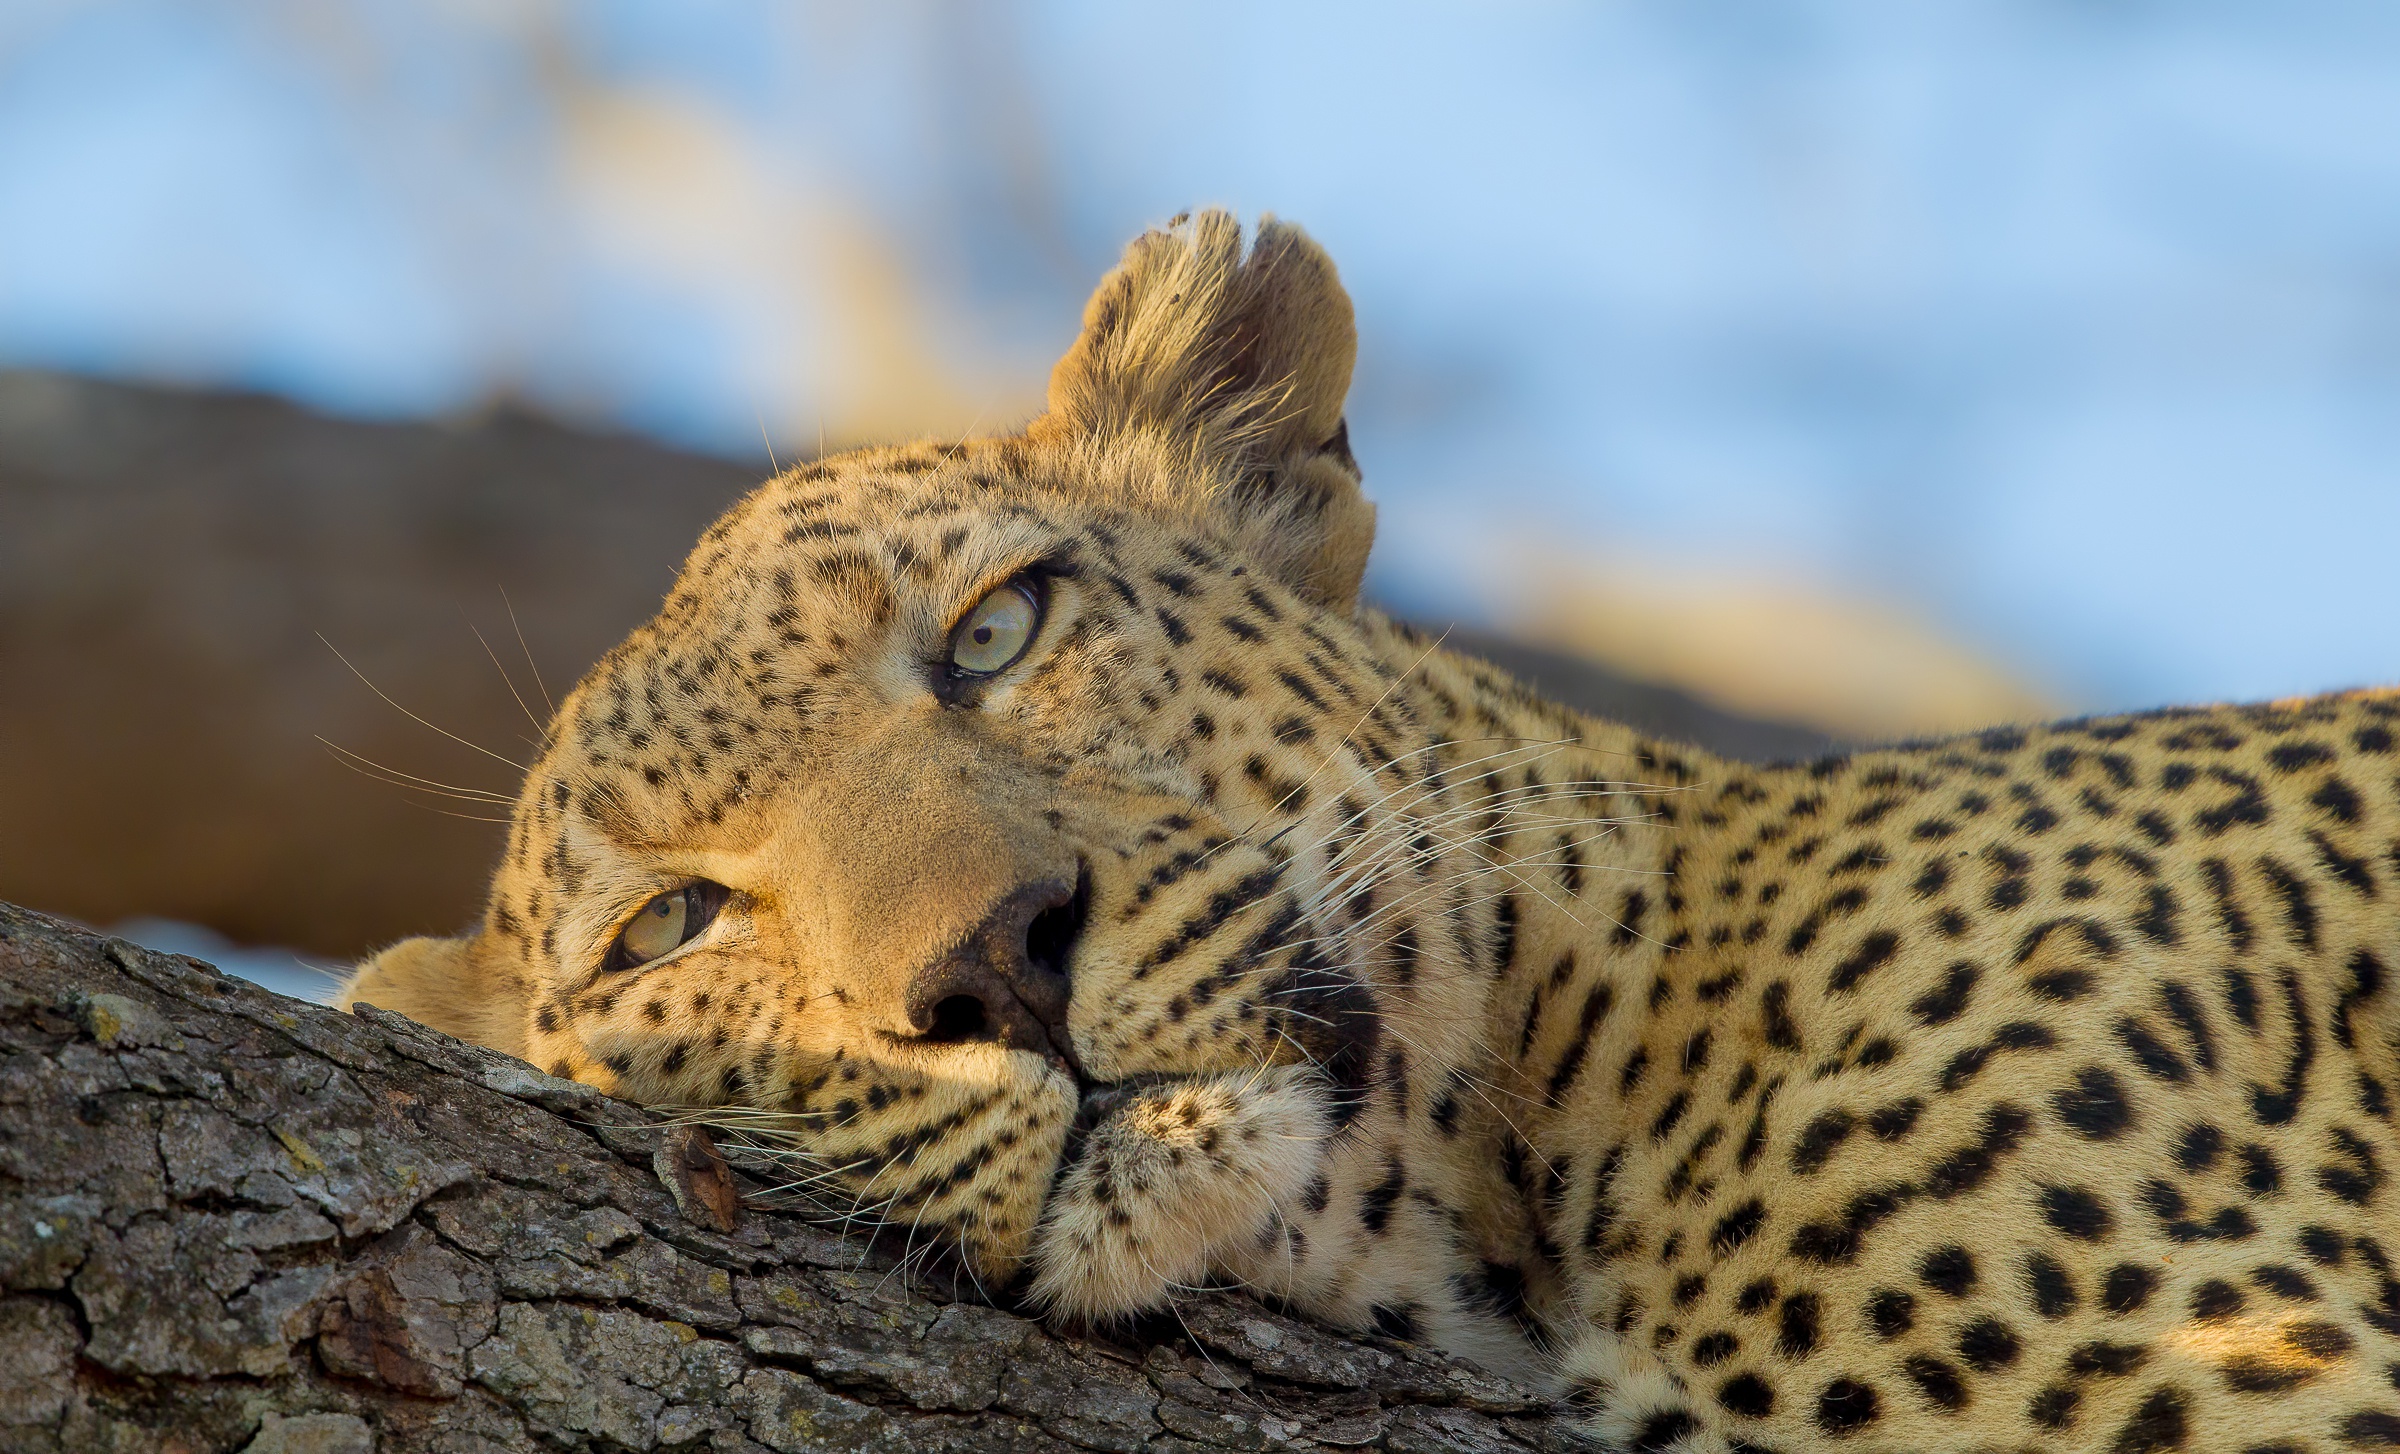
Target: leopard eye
666	924
997	631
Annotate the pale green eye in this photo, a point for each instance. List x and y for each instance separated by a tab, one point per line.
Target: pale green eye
666	924
997	631
658	928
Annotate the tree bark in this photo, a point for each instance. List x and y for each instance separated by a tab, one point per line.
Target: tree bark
234	1221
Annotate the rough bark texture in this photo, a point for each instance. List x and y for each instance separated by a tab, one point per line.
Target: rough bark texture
234	1221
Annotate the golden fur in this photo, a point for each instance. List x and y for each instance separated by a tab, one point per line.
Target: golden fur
2030	1090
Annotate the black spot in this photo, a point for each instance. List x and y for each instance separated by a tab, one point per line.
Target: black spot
1819	1139
1444	1114
1873	952
1945	1004
1756	1297
1603	1215
1775	1004
2299	904
2061	985
2357	1182
1890	1123
1662	1430
2094	1107
1964	1066
2371	1427
1948	1270
1630	1075
2293	756
1394	1322
2184	1006
1836	1243
2101	1359
1738	1226
2248	805
2322	1245
1711	1349
1891	1312
2275	1107
2054	1407
1671	1115
2127	1286
2200	1147
2230	1224
1988	1345
2366	982
1938	1381
2053	1290
1596	1005
2153	1055
2077	1212
2159	1424
1847	1406
2285	1282
1971	1164
1375	1204
2322	1340
2214	1299
2354	873
1504	932
1747	1395
2261	1177
1797	1337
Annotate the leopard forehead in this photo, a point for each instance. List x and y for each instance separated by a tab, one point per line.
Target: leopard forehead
833	587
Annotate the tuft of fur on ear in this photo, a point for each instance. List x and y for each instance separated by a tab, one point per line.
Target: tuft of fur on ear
1242	359
442	983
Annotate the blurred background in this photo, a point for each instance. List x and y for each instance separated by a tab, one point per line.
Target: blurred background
1777	374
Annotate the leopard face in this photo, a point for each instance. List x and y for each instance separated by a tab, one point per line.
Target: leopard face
1025	835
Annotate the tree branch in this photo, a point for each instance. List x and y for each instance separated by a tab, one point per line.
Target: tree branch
233	1221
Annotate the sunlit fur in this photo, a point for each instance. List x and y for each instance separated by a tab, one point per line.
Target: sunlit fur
2028	1090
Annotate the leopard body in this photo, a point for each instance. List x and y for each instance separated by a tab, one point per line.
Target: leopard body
2031	1089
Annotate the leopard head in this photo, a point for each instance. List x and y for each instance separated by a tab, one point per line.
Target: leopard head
1024	836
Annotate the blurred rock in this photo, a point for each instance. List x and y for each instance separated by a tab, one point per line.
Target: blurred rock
188	579
168	564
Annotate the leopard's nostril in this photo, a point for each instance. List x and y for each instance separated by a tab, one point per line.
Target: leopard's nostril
958	1019
1050	936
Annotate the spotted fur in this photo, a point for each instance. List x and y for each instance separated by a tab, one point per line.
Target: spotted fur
2027	1090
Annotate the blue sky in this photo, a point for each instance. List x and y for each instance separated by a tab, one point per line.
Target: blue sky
2071	327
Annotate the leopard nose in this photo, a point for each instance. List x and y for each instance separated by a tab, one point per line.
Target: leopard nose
1007	983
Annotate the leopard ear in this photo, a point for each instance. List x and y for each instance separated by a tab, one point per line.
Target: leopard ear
443	983
1241	360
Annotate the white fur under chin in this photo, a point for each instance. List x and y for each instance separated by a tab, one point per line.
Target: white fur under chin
1174	1183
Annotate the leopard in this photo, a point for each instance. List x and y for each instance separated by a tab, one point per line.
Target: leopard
1036	839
